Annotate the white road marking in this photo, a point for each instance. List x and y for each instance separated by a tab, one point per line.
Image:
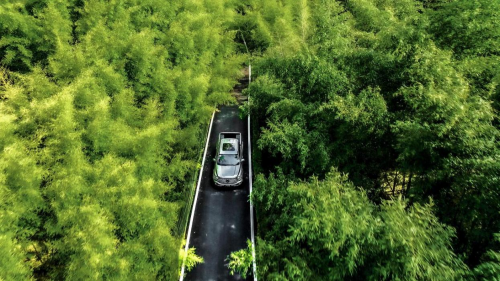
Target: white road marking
196	198
252	235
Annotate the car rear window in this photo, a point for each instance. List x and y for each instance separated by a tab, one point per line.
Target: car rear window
228	147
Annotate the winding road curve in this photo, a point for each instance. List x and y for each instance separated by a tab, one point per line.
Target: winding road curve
221	222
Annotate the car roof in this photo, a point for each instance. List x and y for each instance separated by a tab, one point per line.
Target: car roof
231	146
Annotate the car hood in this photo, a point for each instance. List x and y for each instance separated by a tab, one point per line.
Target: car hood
228	171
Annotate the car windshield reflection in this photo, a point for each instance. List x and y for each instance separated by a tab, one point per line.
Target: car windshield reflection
228	160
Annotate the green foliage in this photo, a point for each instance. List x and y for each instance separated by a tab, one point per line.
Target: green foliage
274	26
21	201
469	28
12	266
102	105
313	116
490	269
329	230
189	258
400	95
241	261
20	35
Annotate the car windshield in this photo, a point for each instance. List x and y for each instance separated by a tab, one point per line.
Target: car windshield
228	159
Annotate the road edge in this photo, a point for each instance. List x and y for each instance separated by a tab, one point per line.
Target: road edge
252	235
181	277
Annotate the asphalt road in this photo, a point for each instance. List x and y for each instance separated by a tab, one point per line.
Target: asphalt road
221	222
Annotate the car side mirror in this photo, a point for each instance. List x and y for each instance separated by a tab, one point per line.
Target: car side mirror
242	160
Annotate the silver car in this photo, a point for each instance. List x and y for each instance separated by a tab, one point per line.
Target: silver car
228	170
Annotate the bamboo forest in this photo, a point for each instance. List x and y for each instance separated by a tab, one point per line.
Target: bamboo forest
375	129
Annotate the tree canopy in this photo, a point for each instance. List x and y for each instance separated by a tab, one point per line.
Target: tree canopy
402	96
376	129
102	105
329	230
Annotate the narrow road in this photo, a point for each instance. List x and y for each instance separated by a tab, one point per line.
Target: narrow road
221	222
